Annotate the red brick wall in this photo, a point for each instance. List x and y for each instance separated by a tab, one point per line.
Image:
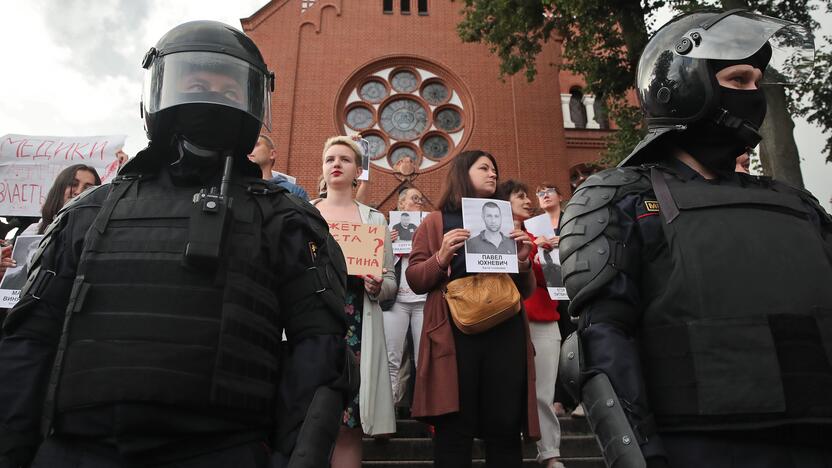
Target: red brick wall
314	53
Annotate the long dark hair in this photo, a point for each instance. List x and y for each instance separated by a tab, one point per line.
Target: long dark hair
458	184
55	198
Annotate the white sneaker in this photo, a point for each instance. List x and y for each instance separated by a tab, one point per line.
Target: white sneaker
578	412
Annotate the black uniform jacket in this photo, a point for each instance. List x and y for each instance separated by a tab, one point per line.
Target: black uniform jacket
147	433
610	318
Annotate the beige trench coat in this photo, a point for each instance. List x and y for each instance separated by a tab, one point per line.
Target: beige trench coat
375	395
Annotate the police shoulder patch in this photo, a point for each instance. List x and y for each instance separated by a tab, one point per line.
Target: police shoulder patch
651	205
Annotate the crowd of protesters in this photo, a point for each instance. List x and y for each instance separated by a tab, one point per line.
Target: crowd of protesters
497	385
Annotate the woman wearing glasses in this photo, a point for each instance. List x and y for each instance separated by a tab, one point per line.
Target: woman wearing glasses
406	310
549	199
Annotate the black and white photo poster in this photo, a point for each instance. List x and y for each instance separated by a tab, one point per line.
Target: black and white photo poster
541	226
404	223
550	264
14	279
489	249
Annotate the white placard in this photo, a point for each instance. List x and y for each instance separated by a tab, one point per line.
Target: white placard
15	278
540	225
365	158
405	223
489	249
552	273
29	165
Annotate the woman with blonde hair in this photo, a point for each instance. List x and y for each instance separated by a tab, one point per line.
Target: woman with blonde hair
372	411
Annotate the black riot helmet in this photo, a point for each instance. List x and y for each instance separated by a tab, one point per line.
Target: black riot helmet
676	77
206	87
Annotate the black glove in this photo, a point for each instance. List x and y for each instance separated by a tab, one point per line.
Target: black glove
657	462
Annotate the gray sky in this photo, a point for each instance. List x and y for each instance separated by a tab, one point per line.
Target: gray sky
71	67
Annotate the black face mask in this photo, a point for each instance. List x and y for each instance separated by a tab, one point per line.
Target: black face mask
210	126
717	145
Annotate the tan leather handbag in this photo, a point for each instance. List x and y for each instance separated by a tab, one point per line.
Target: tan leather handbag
482	301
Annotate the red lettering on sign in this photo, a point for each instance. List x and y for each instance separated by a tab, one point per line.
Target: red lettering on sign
371	262
43	149
98	147
22	147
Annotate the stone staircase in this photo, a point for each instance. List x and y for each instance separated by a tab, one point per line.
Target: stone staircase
412	447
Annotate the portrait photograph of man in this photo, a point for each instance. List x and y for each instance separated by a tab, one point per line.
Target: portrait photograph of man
24	249
404	224
489	249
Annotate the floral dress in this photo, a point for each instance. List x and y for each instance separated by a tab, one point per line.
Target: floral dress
353	309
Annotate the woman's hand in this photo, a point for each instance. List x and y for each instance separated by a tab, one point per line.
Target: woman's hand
394	235
6	261
554	241
543	243
372	284
524	244
451	242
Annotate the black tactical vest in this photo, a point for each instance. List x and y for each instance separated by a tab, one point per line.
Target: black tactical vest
737	328
143	327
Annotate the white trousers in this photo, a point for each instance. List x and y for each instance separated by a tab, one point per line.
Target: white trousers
396	322
546	340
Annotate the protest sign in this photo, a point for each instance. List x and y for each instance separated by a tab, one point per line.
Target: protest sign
540	226
15	278
365	159
489	249
552	273
405	224
29	165
362	245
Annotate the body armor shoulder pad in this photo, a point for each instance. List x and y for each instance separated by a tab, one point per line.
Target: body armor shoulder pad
807	198
590	255
91	197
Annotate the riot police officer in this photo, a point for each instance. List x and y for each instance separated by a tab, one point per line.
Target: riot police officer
703	295
149	332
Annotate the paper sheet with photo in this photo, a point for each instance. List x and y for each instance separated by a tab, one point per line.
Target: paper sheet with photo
14	279
489	249
365	159
405	224
549	260
552	273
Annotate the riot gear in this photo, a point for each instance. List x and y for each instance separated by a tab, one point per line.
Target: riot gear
654	252
206	83
152	326
676	83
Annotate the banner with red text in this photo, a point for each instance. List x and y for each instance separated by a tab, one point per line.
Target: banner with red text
29	165
363	246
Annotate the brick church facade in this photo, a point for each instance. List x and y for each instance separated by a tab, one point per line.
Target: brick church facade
396	72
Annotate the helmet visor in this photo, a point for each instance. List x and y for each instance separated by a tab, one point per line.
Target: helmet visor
742	34
207	78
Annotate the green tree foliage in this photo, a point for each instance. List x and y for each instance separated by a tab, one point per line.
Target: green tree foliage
603	40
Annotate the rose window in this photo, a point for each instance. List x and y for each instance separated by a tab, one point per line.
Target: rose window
404	119
415	110
360	118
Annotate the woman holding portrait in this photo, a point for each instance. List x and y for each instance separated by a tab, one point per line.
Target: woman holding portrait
470	385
